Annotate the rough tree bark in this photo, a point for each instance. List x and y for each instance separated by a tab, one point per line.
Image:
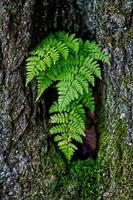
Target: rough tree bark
24	172
22	129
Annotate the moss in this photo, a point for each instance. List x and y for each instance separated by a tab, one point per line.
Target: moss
109	177
1	20
117	162
106	39
77	180
117	8
131	32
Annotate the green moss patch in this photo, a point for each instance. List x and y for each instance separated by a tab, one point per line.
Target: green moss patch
109	177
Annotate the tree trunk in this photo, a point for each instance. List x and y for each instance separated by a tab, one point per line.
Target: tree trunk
22	124
30	167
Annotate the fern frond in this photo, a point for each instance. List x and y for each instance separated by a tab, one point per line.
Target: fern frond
43	84
89	70
57	138
96	52
70	40
50	40
46	78
70	64
88	100
48	60
60	128
67	93
55	108
69	125
62	49
31	72
32	69
67	148
75	136
60	118
54	55
72	85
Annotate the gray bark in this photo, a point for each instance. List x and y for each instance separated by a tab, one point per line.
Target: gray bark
23	129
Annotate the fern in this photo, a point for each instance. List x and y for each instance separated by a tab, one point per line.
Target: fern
71	65
96	52
88	100
69	126
69	40
47	77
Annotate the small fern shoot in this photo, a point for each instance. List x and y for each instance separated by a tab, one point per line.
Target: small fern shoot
71	65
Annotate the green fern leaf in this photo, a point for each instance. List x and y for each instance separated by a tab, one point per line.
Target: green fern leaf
68	149
43	84
96	52
77	137
70	40
60	128
57	138
47	60
62	49
70	64
54	55
88	101
70	88
54	108
31	67
31	73
60	118
70	124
